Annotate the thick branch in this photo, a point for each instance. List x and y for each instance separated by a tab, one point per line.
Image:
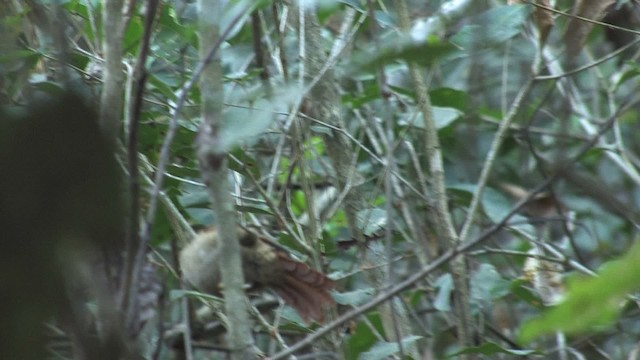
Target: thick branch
439	193
111	99
212	160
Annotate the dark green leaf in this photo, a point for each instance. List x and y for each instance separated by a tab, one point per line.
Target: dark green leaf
243	163
362	337
159	84
20	55
133	35
495	204
242	124
403	49
519	289
633	72
355	4
200	216
254	210
442	116
49	87
372	220
444	284
487	284
195	197
493	27
449	98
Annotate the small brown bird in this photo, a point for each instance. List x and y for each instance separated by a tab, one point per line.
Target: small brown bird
264	266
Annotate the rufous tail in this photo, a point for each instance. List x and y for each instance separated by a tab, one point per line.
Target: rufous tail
304	289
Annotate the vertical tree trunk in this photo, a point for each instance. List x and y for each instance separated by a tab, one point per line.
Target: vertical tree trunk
213	164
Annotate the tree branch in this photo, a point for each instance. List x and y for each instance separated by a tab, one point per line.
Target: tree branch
213	165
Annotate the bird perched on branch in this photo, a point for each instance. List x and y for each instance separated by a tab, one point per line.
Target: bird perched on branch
264	266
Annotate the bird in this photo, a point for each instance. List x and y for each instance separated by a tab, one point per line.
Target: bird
265	266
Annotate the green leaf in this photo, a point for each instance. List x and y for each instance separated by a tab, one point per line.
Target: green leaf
422	53
490	348
292	316
496	206
49	87
241	124
442	116
487	284
461	192
132	35
444	284
355	4
369	92
241	162
521	226
371	220
383	19
194	197
355	298
633	72
383	349
254	210
518	288
362	337
449	98
196	203
162	85
18	55
493	27
591	303
201	216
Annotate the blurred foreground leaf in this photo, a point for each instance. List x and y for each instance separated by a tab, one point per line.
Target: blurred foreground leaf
591	303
